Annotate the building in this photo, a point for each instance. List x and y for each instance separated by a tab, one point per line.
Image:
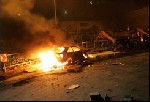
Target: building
140	18
81	26
81	31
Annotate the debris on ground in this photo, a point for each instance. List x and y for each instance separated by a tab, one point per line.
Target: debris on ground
89	66
52	84
128	98
105	63
74	68
96	97
74	86
118	63
67	92
65	85
107	98
2	78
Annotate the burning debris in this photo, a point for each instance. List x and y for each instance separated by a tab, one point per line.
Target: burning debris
50	62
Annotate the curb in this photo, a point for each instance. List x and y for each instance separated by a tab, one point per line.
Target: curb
118	55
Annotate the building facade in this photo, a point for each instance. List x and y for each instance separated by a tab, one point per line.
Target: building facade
140	18
81	31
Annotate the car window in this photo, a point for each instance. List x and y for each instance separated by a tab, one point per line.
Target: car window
73	49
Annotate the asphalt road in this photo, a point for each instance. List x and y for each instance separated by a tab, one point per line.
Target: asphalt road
115	77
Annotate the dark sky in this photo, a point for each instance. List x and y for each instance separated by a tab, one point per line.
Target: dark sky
88	9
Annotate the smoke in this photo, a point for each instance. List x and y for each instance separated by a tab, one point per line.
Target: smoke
23	29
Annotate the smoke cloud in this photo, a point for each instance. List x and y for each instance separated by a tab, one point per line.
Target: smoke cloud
27	31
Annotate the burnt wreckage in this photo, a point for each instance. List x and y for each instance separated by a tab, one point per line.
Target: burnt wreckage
73	55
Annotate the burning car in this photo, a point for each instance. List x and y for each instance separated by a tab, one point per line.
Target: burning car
55	59
73	55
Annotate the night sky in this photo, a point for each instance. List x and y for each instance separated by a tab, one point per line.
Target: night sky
87	9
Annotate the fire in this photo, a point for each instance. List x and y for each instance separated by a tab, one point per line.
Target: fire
49	61
61	49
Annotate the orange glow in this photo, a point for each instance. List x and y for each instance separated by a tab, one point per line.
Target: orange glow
73	49
61	49
49	61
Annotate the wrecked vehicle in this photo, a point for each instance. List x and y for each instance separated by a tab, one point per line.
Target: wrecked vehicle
73	55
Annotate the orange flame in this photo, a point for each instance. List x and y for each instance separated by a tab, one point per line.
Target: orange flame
49	61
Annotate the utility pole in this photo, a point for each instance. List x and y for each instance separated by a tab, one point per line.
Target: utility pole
55	12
